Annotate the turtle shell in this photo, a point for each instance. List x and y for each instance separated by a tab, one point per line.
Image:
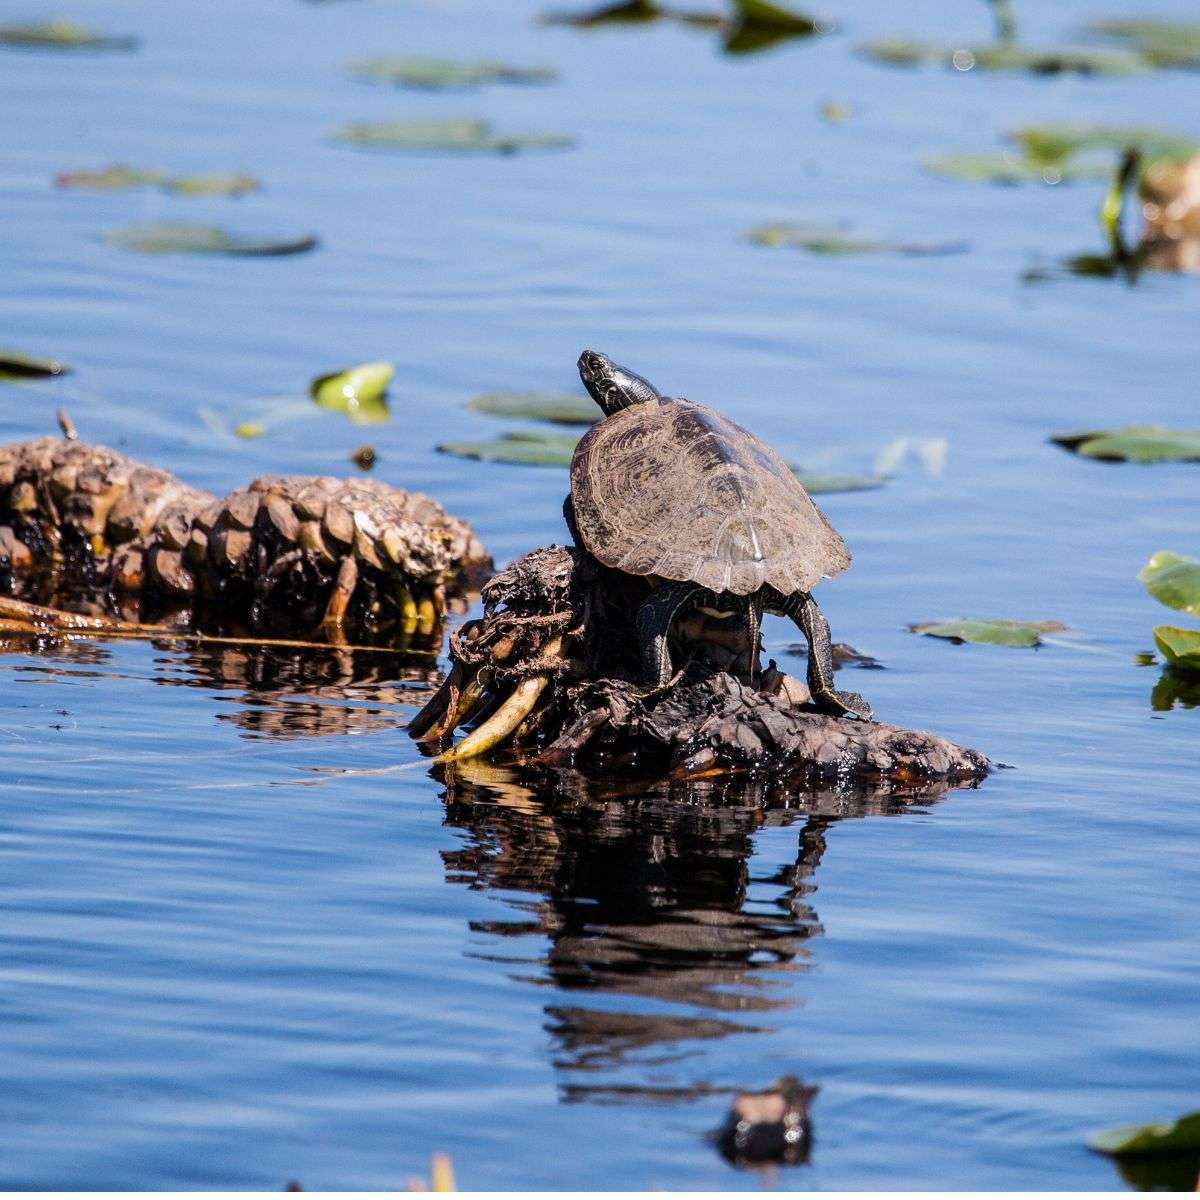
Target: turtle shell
674	489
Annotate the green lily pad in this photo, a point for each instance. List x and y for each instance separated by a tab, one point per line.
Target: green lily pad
1134	443
211	185
172	238
1180	647
61	35
461	136
114	178
767	15
526	449
1169	1137
120	178
1004	56
996	631
1164	43
1174	580
834	240
1007	168
825	484
1056	142
16	365
439	73
360	392
250	429
564	409
624	12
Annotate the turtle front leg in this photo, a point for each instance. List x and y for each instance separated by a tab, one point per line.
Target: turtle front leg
802	609
653	623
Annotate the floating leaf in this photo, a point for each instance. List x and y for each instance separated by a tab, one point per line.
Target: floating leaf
171	238
1180	647
250	429
360	392
119	177
559	409
1164	43
1007	168
1174	580
996	631
1057	142
1134	443
16	365
114	178
833	240
767	15
625	12
822	484
1003	56
211	185
61	35
437	73
1169	1137
465	136
529	449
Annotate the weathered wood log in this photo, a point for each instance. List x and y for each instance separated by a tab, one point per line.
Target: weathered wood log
553	672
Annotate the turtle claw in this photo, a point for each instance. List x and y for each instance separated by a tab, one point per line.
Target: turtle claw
854	705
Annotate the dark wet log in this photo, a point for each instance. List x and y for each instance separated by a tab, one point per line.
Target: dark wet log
556	656
288	552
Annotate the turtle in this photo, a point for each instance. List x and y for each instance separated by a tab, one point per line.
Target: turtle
672	490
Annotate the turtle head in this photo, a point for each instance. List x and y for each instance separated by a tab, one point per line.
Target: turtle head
611	385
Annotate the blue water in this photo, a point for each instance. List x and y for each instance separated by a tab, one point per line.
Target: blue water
229	957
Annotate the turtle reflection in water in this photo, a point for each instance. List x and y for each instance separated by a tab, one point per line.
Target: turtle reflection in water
711	516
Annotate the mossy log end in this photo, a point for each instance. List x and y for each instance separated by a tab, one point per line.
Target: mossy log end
552	672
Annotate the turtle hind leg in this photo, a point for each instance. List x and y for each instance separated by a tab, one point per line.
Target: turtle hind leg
653	624
802	608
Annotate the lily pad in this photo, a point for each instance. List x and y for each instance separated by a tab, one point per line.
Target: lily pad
1004	56
360	392
1057	142
250	429
1134	443
823	484
527	449
469	136
16	365
559	409
996	631
442	73
837	240
61	35
767	15
1174	580
172	238
625	12
114	178
1180	647
1169	1137
1164	43
120	178
1007	168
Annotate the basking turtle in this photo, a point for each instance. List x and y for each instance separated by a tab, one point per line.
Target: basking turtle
674	491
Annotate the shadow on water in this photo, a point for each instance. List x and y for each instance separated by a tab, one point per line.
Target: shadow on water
644	909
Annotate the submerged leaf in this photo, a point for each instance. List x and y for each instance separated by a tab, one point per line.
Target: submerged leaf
16	365
1180	647
360	392
1174	580
818	484
445	73
464	136
1168	1137
173	238
564	409
61	35
1134	443
528	449
1004	56
829	239
996	631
